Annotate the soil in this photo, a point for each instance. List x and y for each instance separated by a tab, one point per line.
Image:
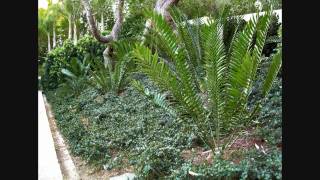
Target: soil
246	141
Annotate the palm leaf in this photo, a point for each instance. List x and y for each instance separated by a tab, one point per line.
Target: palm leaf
159	72
272	73
158	98
261	34
166	38
215	65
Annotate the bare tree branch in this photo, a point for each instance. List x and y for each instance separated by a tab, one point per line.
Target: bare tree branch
116	27
161	7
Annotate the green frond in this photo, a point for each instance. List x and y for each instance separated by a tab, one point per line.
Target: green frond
239	90
215	65
188	88
166	39
156	69
190	36
240	69
158	98
261	34
272	73
190	43
101	77
241	46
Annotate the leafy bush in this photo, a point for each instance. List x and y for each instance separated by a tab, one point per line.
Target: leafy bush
89	45
218	101
60	58
57	59
132	27
76	75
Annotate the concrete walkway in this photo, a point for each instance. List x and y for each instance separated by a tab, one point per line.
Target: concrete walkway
48	165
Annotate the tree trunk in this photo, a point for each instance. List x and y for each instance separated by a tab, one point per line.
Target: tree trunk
161	7
75	33
70	27
54	39
102	23
49	44
113	36
116	27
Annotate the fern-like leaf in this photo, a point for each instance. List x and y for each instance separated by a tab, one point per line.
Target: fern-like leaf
272	73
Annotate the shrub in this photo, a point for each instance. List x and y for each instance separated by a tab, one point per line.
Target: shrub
57	59
217	102
76	75
60	58
133	26
89	45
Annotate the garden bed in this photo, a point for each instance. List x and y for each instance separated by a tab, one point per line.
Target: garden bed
109	135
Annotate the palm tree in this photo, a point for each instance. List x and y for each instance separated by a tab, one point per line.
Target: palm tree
67	9
53	13
45	25
72	10
208	83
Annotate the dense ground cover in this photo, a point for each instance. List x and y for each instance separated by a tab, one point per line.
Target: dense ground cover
113	131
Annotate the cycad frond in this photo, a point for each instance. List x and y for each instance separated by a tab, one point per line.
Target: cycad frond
156	69
101	77
272	73
188	88
166	38
190	36
239	91
261	34
240	60
215	65
158	98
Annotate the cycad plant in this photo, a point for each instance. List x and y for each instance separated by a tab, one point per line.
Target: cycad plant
209	83
76	75
114	77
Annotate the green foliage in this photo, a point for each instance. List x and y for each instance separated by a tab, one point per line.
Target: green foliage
133	26
76	76
114	76
89	45
217	102
126	125
61	57
255	165
157	161
100	77
135	128
239	7
55	61
273	37
157	98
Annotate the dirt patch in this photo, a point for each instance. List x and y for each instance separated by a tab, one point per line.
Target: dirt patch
85	122
234	152
197	155
88	172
